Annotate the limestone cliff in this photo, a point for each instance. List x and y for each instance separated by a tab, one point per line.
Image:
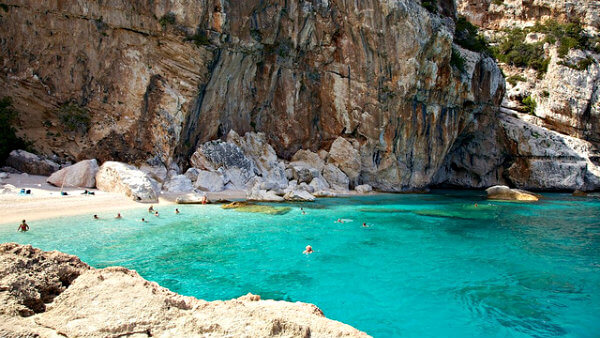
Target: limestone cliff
140	80
52	294
547	134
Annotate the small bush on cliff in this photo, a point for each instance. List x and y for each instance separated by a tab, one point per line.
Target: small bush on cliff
74	118
430	5
514	79
582	64
8	138
199	38
530	105
513	50
467	36
456	60
168	19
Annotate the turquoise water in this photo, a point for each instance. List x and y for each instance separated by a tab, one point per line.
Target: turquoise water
429	265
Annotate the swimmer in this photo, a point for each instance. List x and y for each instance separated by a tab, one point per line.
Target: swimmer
303	212
308	250
365	225
339	221
475	205
177	211
156	214
144	220
151	209
23	227
96	217
118	216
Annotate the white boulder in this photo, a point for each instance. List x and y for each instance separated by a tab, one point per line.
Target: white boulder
299	196
263	195
123	178
209	181
179	184
363	189
346	157
335	177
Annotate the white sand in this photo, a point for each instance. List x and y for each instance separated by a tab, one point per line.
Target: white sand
46	201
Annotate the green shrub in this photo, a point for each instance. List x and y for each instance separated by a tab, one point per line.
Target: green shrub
515	78
8	138
530	104
498	2
168	19
467	36
430	5
74	118
513	50
456	60
199	38
582	64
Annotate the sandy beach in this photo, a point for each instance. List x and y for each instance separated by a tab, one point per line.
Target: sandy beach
46	201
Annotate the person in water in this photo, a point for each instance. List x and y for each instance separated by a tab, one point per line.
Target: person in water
475	205
118	216
156	214
143	220
339	221
96	217
23	227
151	209
177	211
308	250
365	225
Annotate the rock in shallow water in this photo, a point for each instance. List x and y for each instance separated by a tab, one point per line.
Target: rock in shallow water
502	192
118	302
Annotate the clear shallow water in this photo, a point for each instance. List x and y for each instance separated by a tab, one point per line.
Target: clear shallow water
429	265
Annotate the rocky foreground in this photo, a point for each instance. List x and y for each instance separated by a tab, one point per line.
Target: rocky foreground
51	294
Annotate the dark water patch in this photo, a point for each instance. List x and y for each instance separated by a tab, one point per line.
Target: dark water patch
455	214
384	211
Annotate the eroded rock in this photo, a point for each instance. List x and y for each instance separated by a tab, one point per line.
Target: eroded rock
30	163
81	174
123	178
502	192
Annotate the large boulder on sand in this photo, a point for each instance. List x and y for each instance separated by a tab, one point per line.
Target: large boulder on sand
192	198
179	184
262	195
363	189
81	174
31	163
335	177
343	155
123	178
209	181
502	192
299	195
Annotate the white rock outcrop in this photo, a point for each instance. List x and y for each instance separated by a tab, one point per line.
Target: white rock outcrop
257	194
346	157
209	181
117	302
299	195
123	178
179	184
336	178
81	174
502	192
363	189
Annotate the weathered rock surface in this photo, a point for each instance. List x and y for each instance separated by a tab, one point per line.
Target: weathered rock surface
257	194
336	178
156	171
179	184
118	302
376	73
191	198
309	159
343	155
81	174
126	179
363	189
209	181
299	195
502	192
30	163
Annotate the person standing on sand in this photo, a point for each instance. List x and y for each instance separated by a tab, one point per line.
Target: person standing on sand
23	227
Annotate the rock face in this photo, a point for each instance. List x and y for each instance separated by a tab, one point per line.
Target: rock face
118	302
31	163
81	174
209	181
126	179
179	184
131	81
502	192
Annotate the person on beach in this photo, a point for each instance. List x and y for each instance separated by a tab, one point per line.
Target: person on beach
308	250
176	211
204	200
118	216
96	217
23	227
151	209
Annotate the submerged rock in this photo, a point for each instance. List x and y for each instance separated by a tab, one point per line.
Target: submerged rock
115	301
502	192
257	208
81	174
123	178
30	163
